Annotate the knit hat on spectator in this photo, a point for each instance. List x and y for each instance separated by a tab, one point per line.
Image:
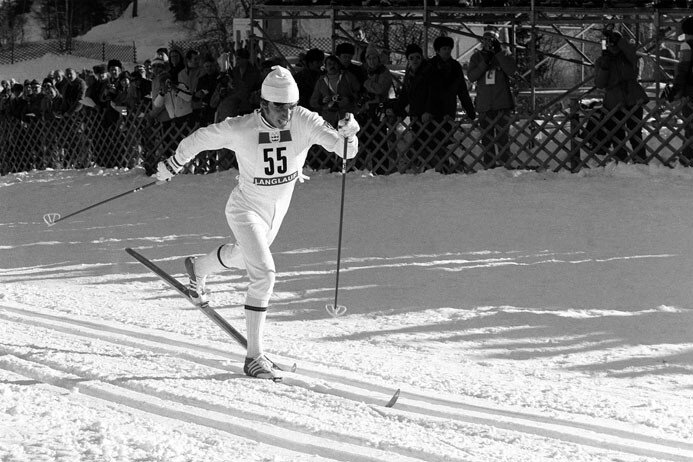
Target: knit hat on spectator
17	88
279	86
35	83
99	69
442	41
413	48
47	81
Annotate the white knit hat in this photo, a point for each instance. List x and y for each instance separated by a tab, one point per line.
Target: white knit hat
279	86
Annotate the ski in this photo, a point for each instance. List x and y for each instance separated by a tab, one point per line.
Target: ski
212	314
204	307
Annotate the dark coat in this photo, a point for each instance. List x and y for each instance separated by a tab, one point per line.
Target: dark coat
617	74
75	91
683	78
446	84
414	92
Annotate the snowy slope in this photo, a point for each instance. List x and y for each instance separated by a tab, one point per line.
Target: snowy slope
524	316
153	27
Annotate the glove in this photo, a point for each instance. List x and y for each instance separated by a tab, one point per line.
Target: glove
167	169
348	126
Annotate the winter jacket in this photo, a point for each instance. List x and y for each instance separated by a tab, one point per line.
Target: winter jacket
176	102
491	75
75	91
446	84
683	78
414	92
348	91
617	74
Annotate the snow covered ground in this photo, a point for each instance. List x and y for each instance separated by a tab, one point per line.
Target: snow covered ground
154	27
524	316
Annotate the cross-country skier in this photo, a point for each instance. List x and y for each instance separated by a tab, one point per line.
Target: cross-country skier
271	145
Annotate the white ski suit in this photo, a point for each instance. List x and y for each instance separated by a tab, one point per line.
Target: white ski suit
270	161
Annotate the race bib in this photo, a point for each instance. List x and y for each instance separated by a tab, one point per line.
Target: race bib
490	77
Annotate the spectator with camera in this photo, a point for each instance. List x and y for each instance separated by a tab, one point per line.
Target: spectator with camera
446	84
376	94
624	97
682	89
491	68
377	86
175	97
335	93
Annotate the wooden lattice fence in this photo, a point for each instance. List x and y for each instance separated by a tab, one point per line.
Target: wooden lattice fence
563	138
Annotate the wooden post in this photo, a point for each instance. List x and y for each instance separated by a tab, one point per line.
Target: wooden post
574	153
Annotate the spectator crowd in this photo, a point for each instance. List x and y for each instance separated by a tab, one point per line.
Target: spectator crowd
178	90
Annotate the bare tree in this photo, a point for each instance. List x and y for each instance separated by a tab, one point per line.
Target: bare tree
214	19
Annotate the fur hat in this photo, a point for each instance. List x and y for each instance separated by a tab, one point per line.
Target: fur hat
413	48
115	63
279	86
443	41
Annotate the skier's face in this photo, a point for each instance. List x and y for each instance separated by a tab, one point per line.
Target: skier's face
278	114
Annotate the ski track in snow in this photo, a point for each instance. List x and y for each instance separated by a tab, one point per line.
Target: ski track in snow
536	332
413	404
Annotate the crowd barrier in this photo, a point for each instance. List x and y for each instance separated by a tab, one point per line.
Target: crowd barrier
567	137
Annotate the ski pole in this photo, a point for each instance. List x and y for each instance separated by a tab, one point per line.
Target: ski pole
336	310
53	218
